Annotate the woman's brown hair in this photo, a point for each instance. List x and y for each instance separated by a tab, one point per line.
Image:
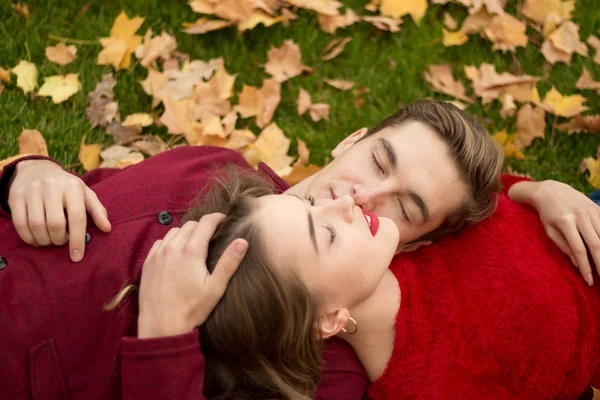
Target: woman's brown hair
260	341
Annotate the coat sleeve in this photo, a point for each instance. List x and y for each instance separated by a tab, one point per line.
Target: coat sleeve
163	368
343	376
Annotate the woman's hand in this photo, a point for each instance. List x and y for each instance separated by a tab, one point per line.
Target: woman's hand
571	220
42	197
177	293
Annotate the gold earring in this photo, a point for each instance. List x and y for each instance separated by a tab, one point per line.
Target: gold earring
355	327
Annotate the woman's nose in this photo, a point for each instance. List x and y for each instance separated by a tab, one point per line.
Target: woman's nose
344	206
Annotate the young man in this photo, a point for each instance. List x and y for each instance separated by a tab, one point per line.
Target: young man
429	168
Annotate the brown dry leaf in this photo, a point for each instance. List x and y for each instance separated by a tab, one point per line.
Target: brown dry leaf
4	75
208	98
595	43
59	87
229	122
506	32
490	85
492	6
27	75
586	81
384	23
540	10
508	106
118	156
61	54
303	152
531	124
331	23
304	101
324	7
270	147
334	48
123	41
153	85
566	39
250	102
181	83
240	138
339	84
213	126
300	172
441	79
179	118
203	25
592	166
457	38
259	17
153	48
284	62
581	123
507	141
565	106
450	22
89	155
319	111
476	23
31	141
103	109
224	81
123	134
396	9
22	9
150	145
139	119
271	94
553	55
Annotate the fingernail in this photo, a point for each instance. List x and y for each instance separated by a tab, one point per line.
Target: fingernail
76	255
240	248
589	279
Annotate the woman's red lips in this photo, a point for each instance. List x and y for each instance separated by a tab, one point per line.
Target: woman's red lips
372	221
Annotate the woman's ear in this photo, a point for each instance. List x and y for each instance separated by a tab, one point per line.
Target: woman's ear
330	323
348	141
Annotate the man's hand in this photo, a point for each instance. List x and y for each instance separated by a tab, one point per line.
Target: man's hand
43	197
177	293
571	220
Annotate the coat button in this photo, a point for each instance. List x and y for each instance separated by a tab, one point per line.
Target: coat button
3	263
88	237
165	218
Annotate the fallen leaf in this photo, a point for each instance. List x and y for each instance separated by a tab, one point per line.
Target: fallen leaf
300	172
592	165
476	23
539	10
5	75
506	32
250	102
271	93
284	62
565	106
89	155
60	87
150	145
581	123
450	22
123	41
180	83
139	119
259	17
270	147
179	118
531	124
118	156
586	81
319	111
595	43
508	106
153	48
396	9
566	39
31	141
304	101
22	9
303	152
492	6
27	75
123	134
553	55
384	23
153	85
490	85
203	25
229	122
324	7
457	38
61	54
334	48
224	82
339	84
331	23
103	110
213	126
240	138
507	141
441	79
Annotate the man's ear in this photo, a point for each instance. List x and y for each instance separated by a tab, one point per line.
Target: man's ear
330	323
412	246
348	141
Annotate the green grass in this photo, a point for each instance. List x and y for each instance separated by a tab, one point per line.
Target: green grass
364	61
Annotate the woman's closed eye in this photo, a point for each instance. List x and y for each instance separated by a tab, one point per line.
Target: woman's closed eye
332	232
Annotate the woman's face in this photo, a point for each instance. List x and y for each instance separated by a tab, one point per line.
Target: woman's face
339	252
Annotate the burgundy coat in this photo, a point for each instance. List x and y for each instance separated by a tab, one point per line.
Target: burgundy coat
56	342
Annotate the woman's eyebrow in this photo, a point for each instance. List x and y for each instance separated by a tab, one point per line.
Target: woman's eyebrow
311	226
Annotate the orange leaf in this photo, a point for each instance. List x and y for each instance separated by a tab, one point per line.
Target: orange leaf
441	79
31	141
284	62
61	54
531	123
89	155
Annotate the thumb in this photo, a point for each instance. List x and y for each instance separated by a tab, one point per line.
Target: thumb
96	210
228	264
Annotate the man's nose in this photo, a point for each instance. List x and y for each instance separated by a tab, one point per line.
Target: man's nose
367	198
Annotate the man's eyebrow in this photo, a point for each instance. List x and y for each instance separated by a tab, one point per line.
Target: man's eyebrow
421	204
389	151
311	226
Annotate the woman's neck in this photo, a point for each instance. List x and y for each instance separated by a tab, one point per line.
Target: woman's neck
376	319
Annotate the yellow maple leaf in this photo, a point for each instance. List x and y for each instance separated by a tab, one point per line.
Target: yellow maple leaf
141	119
396	9
454	38
60	87
565	106
27	75
506	32
593	166
258	17
270	147
507	141
89	155
540	10
123	41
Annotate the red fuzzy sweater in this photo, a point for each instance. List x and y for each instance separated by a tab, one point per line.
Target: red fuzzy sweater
495	312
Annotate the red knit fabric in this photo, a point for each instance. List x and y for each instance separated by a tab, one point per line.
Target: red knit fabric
495	312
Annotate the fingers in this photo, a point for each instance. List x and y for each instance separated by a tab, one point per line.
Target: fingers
560	241
578	249
591	234
77	222
36	217
203	232
96	210
227	265
56	223
18	209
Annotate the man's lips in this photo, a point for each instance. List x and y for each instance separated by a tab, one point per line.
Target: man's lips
372	221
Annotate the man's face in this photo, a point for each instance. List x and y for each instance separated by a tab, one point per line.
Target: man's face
404	172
